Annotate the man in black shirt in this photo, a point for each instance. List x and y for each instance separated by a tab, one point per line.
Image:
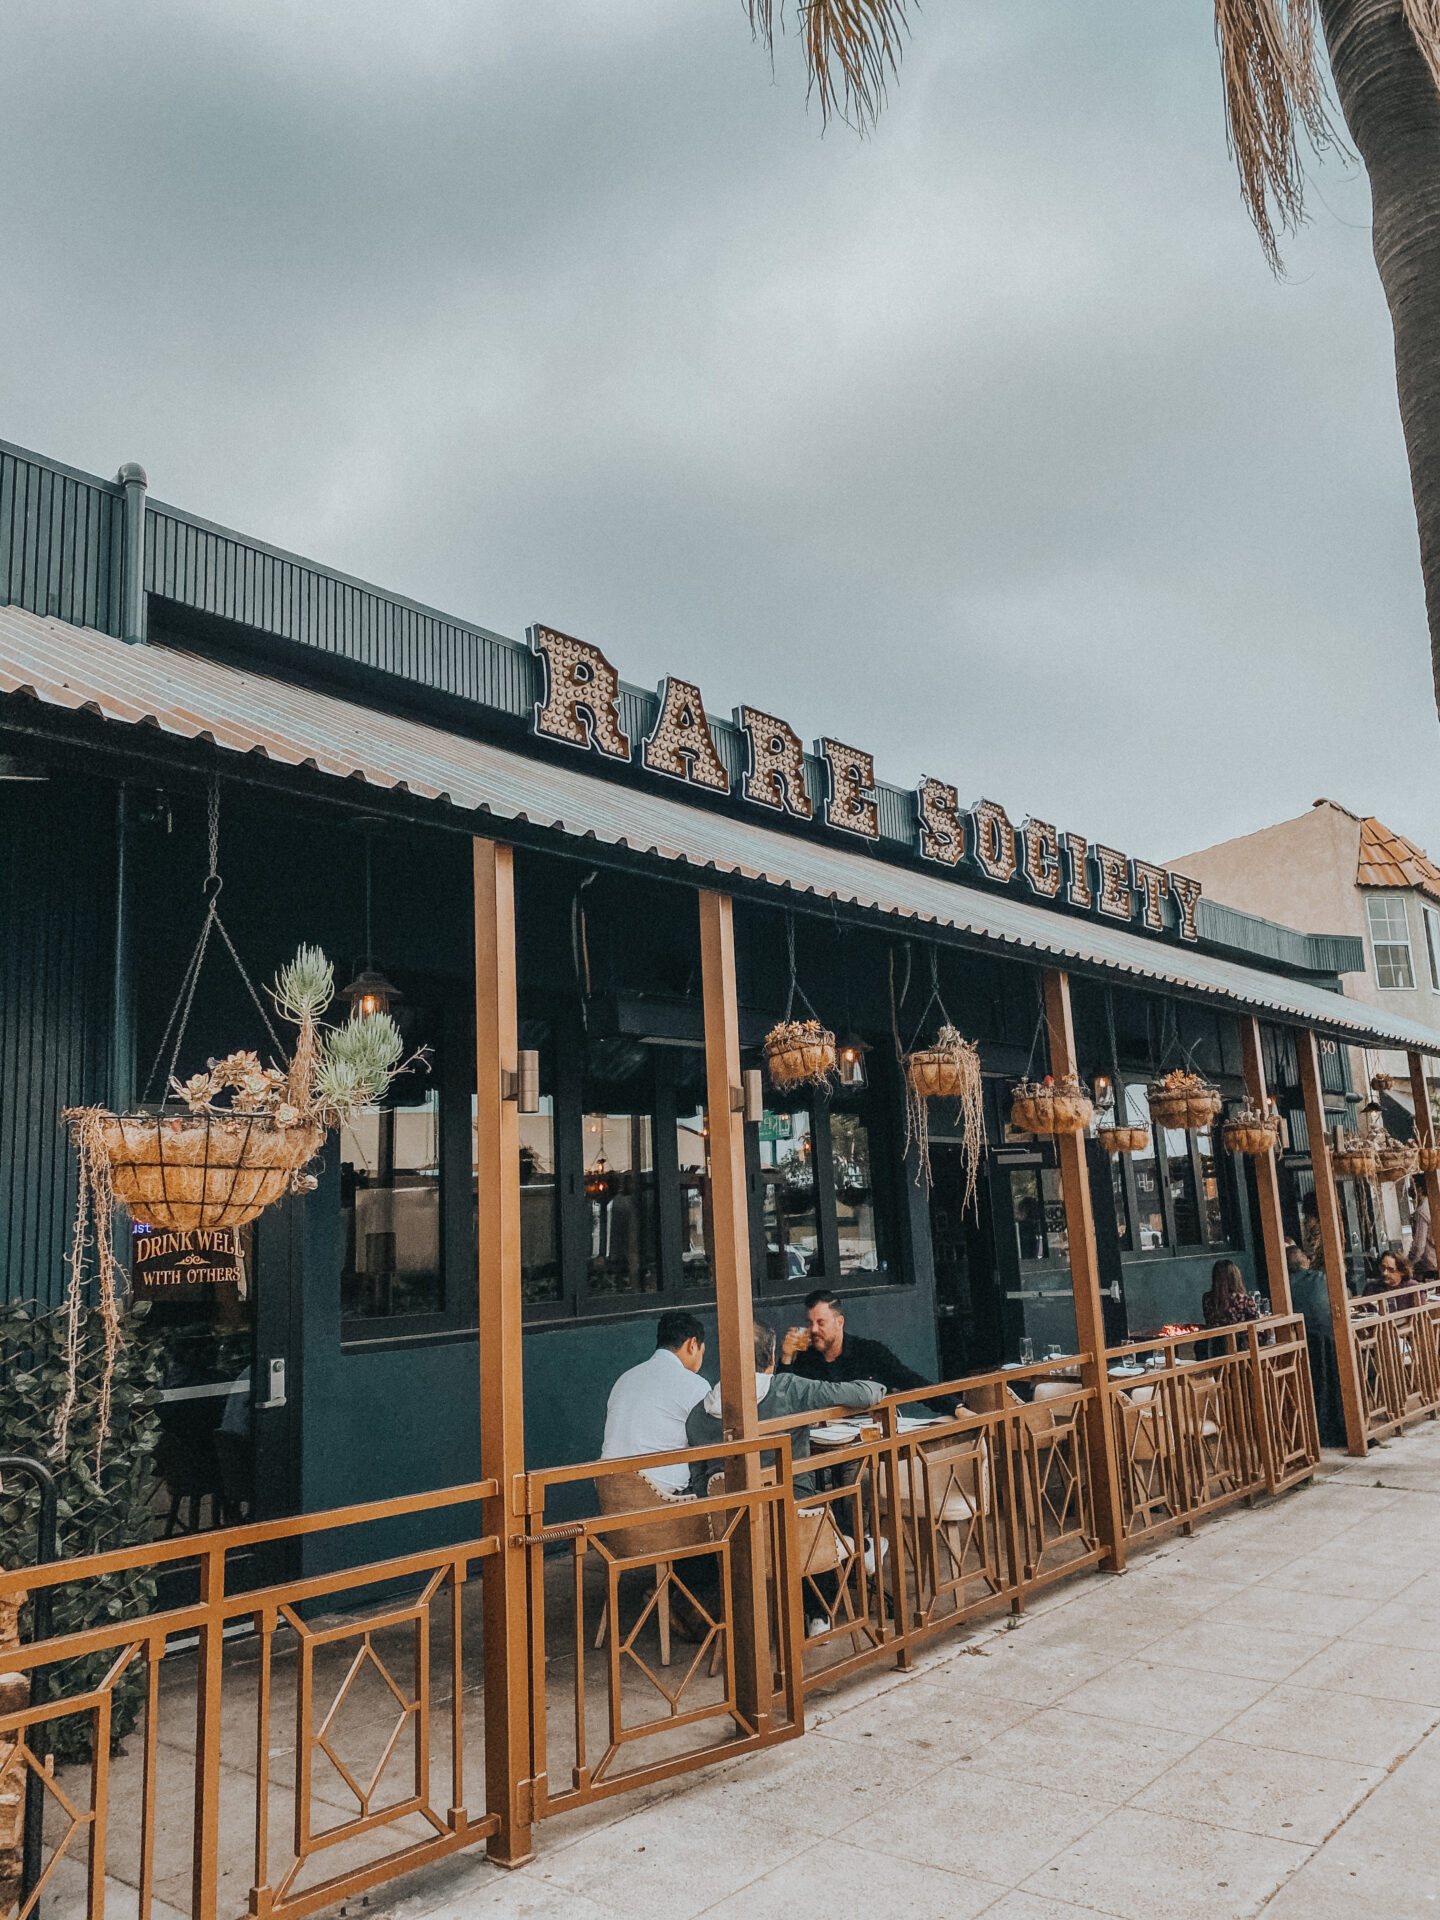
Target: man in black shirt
822	1350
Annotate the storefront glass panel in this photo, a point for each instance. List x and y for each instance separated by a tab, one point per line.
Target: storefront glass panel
1211	1212
1149	1204
856	1215
1037	1208
390	1201
620	1189
787	1177
692	1158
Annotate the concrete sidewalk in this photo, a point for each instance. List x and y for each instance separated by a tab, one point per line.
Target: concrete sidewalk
1245	1722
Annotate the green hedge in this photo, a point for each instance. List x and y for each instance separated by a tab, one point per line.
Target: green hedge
117	1509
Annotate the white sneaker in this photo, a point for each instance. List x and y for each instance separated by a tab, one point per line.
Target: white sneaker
870	1551
815	1626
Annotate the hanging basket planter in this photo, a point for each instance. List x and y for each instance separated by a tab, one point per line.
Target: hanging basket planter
1354	1158
1394	1159
1427	1159
799	1053
187	1171
1251	1132
1182	1101
948	1070
1124	1139
1050	1106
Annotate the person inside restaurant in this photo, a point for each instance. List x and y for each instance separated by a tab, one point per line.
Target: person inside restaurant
1421	1251
649	1404
778	1395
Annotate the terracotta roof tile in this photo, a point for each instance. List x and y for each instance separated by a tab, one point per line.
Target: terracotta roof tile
1390	860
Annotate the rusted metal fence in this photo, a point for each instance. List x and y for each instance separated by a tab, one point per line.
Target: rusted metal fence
303	1755
1397	1359
1198	1433
306	1740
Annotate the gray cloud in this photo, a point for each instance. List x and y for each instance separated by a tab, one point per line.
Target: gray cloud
987	443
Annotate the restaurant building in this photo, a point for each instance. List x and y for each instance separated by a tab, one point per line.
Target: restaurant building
648	887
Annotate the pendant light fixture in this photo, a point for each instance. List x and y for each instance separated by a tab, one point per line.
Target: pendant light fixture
370	992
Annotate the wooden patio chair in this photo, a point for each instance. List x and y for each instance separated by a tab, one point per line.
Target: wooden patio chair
954	1495
1148	1453
672	1530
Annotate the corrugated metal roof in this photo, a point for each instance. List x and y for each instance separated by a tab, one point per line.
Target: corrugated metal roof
193	698
1390	860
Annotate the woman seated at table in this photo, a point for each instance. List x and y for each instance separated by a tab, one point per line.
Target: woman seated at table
1395	1283
1227	1304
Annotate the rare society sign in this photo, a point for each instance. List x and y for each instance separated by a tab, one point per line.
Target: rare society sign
172	1265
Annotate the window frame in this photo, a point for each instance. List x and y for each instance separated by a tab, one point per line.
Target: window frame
1430	923
1386	901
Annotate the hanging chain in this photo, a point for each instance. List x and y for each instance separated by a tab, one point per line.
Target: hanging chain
795	986
185	999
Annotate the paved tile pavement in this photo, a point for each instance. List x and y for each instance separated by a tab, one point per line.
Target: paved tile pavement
1247	1722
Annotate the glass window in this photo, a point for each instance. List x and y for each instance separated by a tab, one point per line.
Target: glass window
620	1190
697	1237
1432	944
787	1177
855	1211
390	1200
1180	1172
1037	1207
1390	937
1117	1194
1211	1212
539	1210
1149	1207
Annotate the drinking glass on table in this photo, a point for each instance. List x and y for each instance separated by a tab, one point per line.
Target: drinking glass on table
1027	1351
1053	1351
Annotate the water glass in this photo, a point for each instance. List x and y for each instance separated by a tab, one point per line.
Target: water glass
1053	1351
1027	1351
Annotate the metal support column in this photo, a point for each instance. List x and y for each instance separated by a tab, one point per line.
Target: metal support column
134	606
508	1783
1332	1242
1267	1180
1085	1279
734	1305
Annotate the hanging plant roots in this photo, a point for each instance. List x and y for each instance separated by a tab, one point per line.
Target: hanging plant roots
1124	1139
1251	1132
800	1053
1181	1101
948	1069
1051	1106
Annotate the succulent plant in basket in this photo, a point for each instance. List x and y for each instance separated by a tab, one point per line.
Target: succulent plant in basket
1051	1106
1182	1100
1252	1131
799	1053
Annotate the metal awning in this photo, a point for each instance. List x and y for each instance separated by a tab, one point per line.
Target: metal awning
243	712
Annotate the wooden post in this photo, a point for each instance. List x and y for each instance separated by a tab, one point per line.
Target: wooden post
734	1306
1425	1135
1085	1279
1267	1182
1332	1243
508	1783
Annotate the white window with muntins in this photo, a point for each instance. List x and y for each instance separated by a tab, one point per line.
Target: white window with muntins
1432	944
1390	937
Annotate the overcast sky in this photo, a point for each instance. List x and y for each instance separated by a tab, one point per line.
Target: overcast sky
987	443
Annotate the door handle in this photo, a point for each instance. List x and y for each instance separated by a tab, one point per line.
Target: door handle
276	1378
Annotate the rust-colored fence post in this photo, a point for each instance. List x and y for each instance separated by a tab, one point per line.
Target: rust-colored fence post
1332	1242
734	1306
209	1678
508	1783
1085	1279
1267	1180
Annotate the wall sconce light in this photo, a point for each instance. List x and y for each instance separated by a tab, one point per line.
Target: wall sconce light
753	1095
523	1086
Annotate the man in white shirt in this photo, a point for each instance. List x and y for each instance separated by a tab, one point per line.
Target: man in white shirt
649	1405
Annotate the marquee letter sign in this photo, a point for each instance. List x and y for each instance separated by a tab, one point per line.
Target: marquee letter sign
582	695
994	840
1042	858
581	708
852	789
777	763
941	823
681	744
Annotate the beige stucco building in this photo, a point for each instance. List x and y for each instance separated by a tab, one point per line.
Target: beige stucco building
1334	871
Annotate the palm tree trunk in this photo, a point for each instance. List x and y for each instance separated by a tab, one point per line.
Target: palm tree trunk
1392	107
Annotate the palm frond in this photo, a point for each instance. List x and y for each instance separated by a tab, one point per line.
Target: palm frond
1273	93
852	47
1423	19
